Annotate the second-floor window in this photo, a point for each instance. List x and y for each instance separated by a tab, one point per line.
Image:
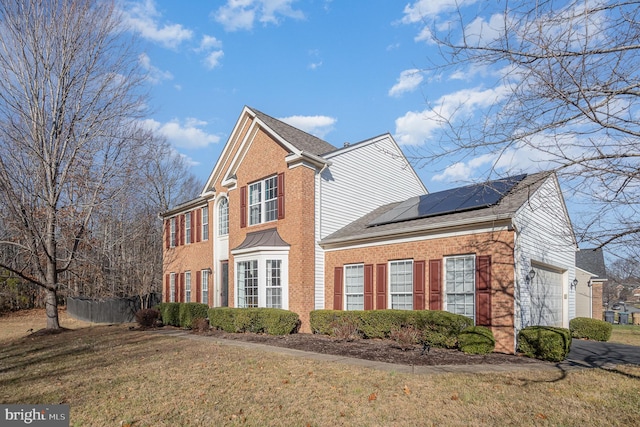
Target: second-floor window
173	232
205	223
223	217
263	201
187	228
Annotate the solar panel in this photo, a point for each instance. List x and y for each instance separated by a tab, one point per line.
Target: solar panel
459	199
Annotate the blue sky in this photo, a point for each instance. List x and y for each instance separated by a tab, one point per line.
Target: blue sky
342	70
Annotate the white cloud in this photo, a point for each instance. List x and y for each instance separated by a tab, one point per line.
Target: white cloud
315	125
185	135
422	9
408	81
142	17
209	42
212	60
415	128
155	75
242	14
481	33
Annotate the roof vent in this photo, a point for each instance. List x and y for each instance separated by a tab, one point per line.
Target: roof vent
346	144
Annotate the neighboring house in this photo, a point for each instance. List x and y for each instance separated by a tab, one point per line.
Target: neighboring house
250	239
502	253
591	276
287	220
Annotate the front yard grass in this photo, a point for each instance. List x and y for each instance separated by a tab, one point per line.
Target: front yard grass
109	375
626	334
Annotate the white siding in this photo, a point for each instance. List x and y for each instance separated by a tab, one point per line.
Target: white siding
361	178
544	238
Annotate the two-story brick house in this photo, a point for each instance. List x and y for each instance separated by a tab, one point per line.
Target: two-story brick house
287	220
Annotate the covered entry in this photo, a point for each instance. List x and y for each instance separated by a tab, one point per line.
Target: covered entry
546	296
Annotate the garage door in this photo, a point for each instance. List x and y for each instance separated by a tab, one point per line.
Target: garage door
546	297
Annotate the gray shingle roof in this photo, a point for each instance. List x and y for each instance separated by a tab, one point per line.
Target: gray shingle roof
592	260
300	139
504	209
262	238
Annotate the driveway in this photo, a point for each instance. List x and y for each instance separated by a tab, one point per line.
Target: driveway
596	354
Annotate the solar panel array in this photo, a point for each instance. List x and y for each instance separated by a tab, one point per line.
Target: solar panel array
459	199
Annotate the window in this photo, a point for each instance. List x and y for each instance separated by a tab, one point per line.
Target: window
205	286
263	201
173	232
187	286
354	287
187	228
460	285
401	284
223	217
172	287
248	284
274	283
205	223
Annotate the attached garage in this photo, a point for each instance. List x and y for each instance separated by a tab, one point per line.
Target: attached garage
546	296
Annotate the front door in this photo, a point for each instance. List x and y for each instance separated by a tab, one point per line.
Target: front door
224	284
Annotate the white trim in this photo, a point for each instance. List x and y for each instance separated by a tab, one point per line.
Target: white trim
389	294
262	257
444	281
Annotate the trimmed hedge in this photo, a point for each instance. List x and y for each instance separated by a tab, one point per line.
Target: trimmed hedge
476	340
438	328
190	311
170	313
591	329
545	342
272	321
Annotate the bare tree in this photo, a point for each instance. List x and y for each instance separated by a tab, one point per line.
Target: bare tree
70	97
566	89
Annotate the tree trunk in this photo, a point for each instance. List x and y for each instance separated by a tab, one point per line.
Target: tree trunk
51	304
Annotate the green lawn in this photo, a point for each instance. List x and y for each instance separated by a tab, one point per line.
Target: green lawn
626	334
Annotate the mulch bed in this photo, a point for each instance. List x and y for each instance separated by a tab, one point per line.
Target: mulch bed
375	349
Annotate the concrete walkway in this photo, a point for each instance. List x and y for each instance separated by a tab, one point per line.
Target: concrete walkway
583	354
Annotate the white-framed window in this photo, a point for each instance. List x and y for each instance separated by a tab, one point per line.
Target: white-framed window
187	286
248	284
263	201
205	286
223	217
262	279
274	283
354	287
205	223
460	285
187	228
172	240
172	287
401	284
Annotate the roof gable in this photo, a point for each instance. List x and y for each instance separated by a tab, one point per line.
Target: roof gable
592	261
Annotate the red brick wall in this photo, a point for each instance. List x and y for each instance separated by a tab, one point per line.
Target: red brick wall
499	245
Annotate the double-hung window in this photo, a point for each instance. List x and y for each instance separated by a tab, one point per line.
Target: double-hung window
187	228
172	287
274	283
401	284
460	285
354	287
205	286
248	284
223	217
172	240
263	201
205	223
187	286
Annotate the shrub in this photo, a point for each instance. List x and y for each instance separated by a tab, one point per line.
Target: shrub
321	321
476	340
200	324
345	328
545	342
147	317
441	328
592	329
380	323
280	322
222	318
406	337
273	321
170	312
189	311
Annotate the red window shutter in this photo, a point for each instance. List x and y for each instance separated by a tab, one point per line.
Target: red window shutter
192	237
167	292
483	290
167	233
368	287
381	286
182	229
418	285
435	284
243	206
181	293
281	195
198	282
337	288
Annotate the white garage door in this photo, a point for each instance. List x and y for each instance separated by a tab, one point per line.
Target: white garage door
546	297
